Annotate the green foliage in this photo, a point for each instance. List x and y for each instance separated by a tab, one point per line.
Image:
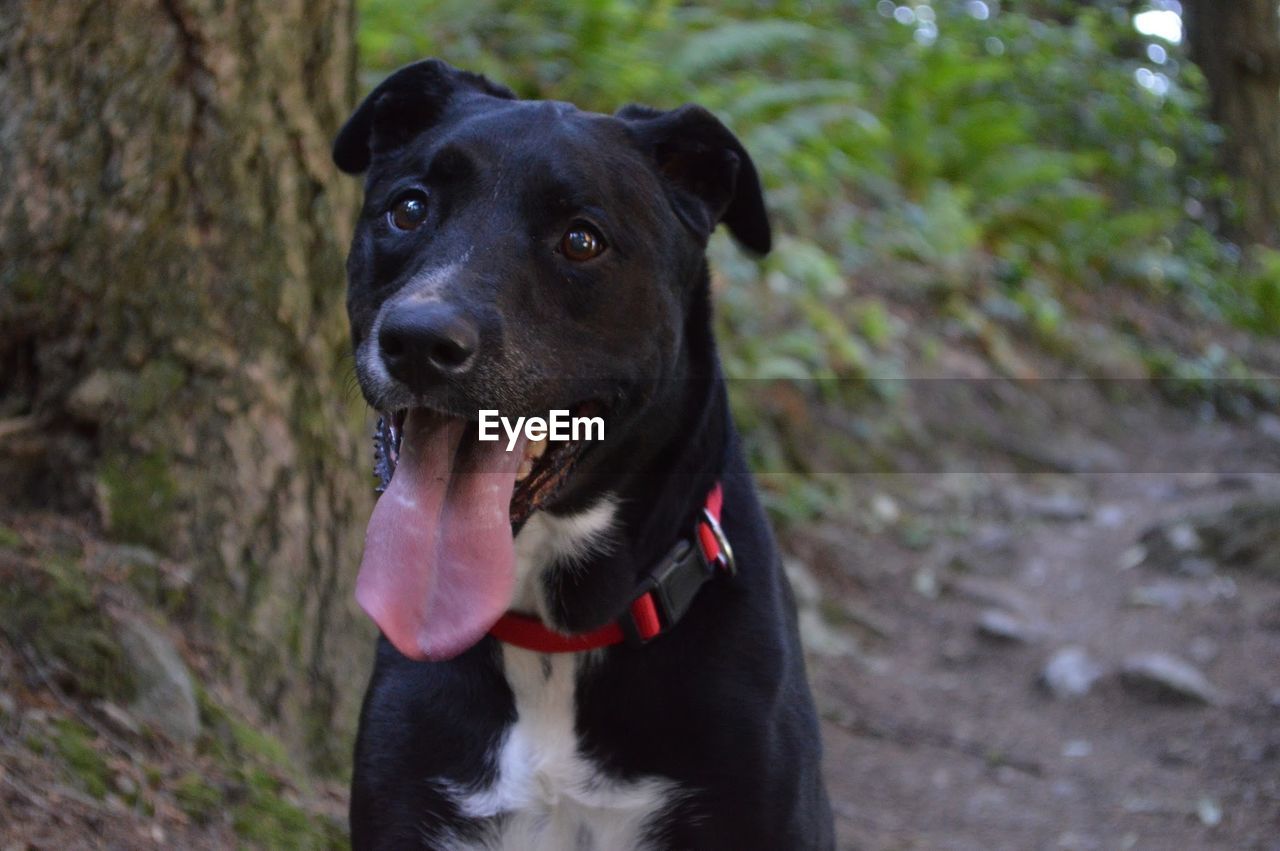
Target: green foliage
139	495
76	744
199	798
1259	305
259	791
10	539
53	608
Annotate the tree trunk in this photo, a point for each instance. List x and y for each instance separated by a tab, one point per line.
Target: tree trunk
173	351
1237	46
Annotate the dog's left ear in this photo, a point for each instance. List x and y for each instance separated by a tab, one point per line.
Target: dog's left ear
407	102
712	177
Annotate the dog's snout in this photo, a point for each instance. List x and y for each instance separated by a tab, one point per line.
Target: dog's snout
425	344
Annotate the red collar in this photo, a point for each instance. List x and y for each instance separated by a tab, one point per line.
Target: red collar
665	594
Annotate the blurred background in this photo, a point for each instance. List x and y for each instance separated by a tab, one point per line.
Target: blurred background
1008	378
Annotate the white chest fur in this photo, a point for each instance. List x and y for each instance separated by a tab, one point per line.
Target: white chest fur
548	796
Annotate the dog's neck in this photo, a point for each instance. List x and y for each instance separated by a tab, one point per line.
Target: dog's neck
629	527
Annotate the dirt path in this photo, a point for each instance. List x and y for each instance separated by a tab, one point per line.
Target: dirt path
940	735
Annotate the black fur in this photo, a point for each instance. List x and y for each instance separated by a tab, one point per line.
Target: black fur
719	704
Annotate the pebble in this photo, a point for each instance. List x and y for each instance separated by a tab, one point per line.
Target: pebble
1209	812
1269	424
1183	537
1133	557
820	638
1061	506
1167	679
1002	626
1070	673
885	509
1110	516
1175	596
925	583
1195	566
119	717
125	785
1077	749
990	593
803	583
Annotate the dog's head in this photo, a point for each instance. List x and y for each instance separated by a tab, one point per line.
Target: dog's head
518	256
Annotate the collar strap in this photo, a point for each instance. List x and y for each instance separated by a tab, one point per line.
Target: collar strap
665	594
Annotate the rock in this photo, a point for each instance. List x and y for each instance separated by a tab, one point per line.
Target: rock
1060	506
166	698
820	638
122	557
1000	625
803	583
1166	546
1269	425
1077	749
125	785
816	634
1168	679
925	583
1245	536
991	593
1182	537
1110	516
92	399
1176	596
1162	595
8	706
1070	673
118	717
1132	557
1068	453
1209	812
1072	841
885	509
1195	567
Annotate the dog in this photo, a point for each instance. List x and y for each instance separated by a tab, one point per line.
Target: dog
585	645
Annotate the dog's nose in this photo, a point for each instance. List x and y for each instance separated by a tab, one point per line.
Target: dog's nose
427	343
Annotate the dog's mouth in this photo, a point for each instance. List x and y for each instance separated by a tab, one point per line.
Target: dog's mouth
544	466
439	558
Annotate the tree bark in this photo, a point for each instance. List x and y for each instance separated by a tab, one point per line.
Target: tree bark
173	353
1237	46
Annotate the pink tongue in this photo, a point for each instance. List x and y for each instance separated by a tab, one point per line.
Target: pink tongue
439	561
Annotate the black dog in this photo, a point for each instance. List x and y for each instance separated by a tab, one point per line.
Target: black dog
524	256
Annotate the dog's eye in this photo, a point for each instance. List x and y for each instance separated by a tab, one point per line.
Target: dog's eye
581	242
409	211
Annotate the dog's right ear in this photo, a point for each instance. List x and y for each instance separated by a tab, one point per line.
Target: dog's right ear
710	174
403	105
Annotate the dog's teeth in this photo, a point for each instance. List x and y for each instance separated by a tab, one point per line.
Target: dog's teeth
526	467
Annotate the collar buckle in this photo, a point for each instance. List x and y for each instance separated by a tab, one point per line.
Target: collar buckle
671	587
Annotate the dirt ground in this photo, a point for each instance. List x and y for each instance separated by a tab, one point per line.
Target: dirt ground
957	589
